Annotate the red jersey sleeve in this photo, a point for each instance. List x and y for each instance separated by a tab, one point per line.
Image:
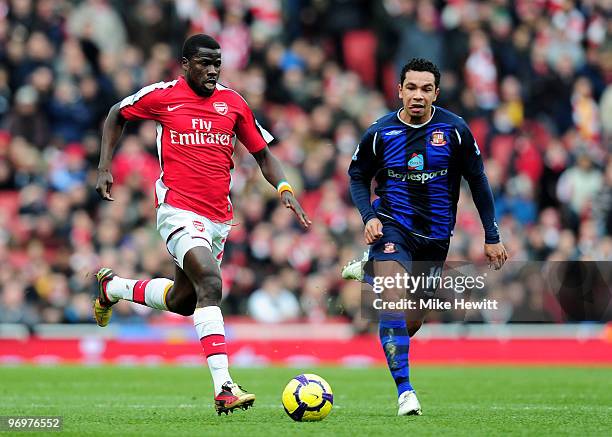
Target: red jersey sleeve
249	131
145	104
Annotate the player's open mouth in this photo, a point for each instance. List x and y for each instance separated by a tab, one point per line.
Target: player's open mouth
416	107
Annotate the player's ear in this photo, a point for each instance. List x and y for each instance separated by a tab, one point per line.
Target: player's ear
436	95
184	63
399	90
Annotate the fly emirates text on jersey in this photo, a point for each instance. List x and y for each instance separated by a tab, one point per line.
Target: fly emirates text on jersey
201	134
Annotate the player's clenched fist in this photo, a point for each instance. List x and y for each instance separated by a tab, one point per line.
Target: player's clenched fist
373	231
104	184
289	200
496	254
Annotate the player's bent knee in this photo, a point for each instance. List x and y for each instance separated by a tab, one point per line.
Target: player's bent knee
186	306
186	311
181	302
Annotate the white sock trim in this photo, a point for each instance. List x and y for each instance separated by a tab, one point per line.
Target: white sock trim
120	288
155	292
208	321
218	366
202	315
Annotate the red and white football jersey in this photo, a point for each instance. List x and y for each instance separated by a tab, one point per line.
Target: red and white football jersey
195	143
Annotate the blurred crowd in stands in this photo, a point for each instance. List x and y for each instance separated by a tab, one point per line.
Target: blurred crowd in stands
532	78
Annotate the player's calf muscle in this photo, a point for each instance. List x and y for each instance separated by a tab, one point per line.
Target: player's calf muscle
203	273
208	290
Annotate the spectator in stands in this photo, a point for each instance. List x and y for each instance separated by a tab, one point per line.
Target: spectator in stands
70	117
272	303
14	308
576	188
419	36
602	207
606	115
27	120
99	21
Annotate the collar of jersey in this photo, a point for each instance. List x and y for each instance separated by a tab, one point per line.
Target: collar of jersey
416	125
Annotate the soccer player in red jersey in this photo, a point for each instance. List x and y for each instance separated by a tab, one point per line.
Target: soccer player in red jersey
198	122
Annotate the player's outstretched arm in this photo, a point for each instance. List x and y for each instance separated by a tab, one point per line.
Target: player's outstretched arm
473	172
273	172
483	199
113	128
361	171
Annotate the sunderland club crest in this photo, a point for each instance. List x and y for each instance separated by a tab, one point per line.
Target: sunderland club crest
390	248
437	138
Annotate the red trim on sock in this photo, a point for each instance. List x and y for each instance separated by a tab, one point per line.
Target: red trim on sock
213	344
139	291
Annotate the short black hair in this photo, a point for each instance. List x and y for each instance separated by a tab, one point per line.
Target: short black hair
197	41
420	64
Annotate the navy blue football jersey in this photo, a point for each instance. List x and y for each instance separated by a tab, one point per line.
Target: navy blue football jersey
418	170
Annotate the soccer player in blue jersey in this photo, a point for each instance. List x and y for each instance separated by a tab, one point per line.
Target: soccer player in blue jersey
417	155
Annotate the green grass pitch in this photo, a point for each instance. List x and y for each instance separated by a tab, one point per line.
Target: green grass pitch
177	401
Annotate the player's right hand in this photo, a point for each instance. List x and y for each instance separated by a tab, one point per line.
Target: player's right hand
373	231
104	184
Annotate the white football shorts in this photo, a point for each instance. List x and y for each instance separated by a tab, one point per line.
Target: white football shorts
183	230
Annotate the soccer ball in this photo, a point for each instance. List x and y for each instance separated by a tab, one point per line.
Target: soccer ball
308	398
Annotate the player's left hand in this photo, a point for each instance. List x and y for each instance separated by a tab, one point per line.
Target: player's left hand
291	202
104	184
496	254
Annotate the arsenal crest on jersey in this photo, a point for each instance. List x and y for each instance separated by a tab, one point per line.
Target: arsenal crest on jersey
437	138
198	225
220	107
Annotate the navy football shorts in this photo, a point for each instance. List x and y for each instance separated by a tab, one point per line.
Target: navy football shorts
416	254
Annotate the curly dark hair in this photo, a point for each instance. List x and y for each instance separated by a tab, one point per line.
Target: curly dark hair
420	64
200	40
